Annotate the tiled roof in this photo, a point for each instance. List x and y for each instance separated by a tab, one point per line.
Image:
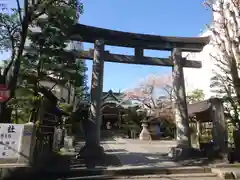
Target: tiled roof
198	107
111	96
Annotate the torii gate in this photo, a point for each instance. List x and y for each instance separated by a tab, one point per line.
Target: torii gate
176	45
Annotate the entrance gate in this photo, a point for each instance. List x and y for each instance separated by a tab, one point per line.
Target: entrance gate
139	42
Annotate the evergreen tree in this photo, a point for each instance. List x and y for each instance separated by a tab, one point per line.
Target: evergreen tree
46	57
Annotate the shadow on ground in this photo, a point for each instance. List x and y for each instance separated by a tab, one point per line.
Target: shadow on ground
134	159
57	166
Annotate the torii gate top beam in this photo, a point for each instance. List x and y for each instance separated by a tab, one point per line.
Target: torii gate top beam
144	41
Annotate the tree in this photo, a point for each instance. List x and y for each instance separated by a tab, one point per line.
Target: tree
222	86
153	92
195	96
15	25
133	117
225	39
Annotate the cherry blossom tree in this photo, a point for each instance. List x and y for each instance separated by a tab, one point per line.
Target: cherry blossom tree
153	92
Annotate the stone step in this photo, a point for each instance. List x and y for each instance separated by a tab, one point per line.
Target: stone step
118	172
227	173
197	176
173	176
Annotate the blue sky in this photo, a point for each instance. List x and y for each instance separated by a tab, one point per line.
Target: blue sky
158	17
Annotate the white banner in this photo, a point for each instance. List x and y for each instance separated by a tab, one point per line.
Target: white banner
10	140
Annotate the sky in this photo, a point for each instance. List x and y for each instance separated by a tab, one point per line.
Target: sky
158	17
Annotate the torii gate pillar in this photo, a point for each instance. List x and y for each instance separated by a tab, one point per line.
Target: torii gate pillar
92	127
180	107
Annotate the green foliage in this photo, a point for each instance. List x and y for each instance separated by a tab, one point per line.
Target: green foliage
168	128
222	86
10	28
133	118
46	57
127	119
195	96
231	129
22	105
66	107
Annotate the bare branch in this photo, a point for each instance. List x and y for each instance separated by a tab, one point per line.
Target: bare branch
19	11
226	39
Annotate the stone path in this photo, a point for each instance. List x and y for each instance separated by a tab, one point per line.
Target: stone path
141	155
144	157
135	153
123	155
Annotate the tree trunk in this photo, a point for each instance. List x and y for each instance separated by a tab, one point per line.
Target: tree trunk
69	94
5	113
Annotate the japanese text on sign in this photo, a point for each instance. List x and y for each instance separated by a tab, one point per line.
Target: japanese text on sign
10	140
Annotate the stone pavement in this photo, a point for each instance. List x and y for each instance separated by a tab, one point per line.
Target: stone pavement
125	159
147	160
136	153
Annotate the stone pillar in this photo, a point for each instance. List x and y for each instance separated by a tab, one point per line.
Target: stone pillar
199	132
93	124
181	113
220	135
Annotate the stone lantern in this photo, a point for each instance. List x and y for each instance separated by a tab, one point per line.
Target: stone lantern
144	135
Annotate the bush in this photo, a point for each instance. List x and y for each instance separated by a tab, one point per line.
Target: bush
66	107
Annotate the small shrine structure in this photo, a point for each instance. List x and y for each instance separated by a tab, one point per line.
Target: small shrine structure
210	112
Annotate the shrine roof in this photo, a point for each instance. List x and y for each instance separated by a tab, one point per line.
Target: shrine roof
111	96
115	97
198	107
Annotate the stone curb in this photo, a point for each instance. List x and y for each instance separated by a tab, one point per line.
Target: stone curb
237	165
172	176
161	170
20	171
149	176
225	174
227	171
134	171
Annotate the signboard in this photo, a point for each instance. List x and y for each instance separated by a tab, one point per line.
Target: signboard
10	140
4	93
